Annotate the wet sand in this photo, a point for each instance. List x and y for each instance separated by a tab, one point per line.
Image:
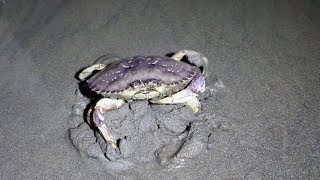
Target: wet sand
266	54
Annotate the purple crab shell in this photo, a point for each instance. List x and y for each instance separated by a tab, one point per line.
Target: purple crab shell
142	71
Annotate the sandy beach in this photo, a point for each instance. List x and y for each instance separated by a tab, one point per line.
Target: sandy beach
261	120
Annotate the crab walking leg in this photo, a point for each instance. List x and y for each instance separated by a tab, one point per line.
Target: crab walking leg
88	71
194	57
183	96
103	105
178	55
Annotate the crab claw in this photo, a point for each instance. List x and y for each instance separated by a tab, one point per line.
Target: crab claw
198	84
183	96
194	104
98	120
103	105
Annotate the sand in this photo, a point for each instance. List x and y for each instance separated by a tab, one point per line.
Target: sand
262	123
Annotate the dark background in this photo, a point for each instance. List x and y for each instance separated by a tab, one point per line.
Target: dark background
266	53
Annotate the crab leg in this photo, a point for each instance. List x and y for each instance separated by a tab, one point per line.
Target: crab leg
188	95
103	105
178	55
183	96
194	57
88	71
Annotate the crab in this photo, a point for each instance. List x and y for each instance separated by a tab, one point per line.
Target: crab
159	79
